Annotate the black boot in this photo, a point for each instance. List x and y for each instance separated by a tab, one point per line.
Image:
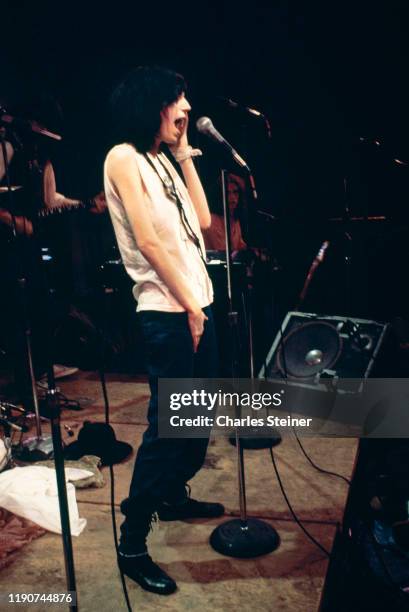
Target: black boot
133	558
189	508
147	574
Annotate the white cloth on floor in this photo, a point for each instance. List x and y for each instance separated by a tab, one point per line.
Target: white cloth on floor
31	492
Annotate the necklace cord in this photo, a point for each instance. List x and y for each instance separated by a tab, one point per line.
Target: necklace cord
171	192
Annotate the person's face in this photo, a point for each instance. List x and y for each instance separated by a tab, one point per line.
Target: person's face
174	121
233	195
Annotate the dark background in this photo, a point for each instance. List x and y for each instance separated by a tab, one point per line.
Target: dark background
325	73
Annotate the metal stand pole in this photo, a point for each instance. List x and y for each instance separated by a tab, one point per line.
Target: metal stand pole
244	537
53	409
254	442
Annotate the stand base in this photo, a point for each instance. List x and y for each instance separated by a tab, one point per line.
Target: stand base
254	443
36	449
244	540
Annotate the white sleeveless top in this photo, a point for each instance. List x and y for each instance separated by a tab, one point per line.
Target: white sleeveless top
150	291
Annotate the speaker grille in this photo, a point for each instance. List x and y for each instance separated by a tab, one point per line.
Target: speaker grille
309	349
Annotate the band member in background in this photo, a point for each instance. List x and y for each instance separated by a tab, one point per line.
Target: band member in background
30	167
215	235
22	224
158	220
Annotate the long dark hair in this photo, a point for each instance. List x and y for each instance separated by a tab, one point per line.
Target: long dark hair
215	197
137	102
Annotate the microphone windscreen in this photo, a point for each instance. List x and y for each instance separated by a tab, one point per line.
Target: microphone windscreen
204	125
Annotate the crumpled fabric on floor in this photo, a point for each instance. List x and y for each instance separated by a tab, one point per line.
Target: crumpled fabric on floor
31	492
87	462
15	532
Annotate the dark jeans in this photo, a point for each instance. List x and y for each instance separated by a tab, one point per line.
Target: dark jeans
163	466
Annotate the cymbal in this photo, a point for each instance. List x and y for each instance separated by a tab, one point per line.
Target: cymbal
12	188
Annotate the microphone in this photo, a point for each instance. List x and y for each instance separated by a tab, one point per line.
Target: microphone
321	253
205	126
250	111
233	104
266	214
318	259
28	124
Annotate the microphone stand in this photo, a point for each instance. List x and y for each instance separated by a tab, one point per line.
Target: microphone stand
53	408
244	537
253	442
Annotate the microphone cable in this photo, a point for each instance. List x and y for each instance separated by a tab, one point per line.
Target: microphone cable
101	372
295	517
317	467
326	552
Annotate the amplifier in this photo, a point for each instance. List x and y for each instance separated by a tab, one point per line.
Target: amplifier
312	347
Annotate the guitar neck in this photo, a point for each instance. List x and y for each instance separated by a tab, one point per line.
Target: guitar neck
49	211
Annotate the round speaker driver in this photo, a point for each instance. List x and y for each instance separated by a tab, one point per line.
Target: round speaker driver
308	349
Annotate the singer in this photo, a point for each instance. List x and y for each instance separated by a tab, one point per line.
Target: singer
158	218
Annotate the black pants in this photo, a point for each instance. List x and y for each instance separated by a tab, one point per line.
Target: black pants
163	466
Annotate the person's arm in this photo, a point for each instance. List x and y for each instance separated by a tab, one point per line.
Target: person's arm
196	192
214	235
124	173
9	153
99	203
239	242
193	182
23	225
52	198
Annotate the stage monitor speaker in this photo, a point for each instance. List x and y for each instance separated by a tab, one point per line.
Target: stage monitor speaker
310	347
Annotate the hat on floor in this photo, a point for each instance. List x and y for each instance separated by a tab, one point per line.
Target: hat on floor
98	439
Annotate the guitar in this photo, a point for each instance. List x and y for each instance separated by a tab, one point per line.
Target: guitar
25	226
58	209
96	204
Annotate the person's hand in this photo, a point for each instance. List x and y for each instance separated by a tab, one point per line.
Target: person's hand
24	226
99	204
196	321
182	142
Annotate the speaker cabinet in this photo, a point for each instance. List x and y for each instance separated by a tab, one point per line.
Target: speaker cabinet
311	347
